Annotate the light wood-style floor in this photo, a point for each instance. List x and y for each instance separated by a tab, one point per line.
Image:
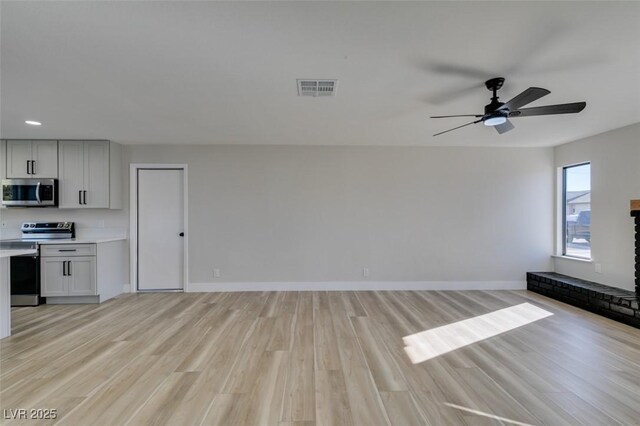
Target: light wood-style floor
320	358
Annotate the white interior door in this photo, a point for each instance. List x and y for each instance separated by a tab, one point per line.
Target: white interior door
160	223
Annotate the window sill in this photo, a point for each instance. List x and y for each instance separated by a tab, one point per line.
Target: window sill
577	259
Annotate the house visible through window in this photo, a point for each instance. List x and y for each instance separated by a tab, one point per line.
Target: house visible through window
576	202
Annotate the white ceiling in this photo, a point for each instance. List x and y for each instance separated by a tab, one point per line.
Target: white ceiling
225	73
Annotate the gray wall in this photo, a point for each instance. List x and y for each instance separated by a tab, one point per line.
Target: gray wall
283	213
408	214
615	180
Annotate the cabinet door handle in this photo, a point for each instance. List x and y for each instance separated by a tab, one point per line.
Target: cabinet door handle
79	197
69	267
67	249
64	270
28	172
84	196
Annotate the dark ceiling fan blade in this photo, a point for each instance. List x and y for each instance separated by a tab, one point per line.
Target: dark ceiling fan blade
504	127
461	70
524	98
549	110
462	115
449	94
464	125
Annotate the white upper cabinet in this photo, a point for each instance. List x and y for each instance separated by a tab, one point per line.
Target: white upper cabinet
96	174
45	159
3	163
71	170
18	159
89	174
3	159
32	159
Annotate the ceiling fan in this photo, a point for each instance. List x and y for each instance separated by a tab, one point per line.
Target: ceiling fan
497	113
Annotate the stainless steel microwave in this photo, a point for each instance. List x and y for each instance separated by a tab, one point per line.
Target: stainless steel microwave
30	192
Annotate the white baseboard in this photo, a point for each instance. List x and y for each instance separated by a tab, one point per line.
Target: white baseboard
355	286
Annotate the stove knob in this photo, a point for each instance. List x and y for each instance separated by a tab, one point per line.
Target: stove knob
59	225
32	225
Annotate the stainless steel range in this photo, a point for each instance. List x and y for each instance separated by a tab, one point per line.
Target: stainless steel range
25	270
48	230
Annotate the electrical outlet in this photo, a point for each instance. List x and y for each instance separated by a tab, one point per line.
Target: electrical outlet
216	273
365	272
598	267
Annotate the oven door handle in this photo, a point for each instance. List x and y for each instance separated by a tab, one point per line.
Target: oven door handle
38	193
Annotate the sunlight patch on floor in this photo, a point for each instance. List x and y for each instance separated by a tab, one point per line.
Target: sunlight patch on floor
483	414
431	343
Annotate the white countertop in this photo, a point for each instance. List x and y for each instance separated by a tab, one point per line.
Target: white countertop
83	236
86	240
17	252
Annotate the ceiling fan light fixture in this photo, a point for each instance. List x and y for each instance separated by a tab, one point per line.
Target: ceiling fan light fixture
495	120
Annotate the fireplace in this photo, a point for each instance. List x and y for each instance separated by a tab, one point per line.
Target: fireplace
635	213
615	303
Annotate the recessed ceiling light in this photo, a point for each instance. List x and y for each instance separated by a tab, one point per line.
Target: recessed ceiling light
33	123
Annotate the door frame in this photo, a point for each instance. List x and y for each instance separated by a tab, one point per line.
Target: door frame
133	220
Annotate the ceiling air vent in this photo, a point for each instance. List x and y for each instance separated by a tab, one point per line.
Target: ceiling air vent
317	87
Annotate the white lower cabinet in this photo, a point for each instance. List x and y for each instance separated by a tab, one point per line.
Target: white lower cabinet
68	275
82	272
53	279
82	276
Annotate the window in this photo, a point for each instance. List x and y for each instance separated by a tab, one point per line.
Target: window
576	202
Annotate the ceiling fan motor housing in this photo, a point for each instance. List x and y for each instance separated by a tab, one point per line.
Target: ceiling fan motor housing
493	107
494	83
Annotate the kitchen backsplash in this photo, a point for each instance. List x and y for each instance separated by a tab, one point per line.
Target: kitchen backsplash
92	223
